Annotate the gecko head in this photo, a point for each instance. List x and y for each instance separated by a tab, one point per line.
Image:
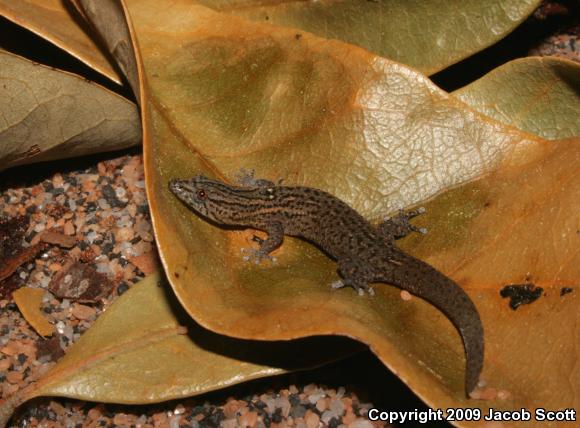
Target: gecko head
203	195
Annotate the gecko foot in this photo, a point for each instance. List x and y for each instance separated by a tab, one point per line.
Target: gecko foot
246	178
398	226
256	256
360	290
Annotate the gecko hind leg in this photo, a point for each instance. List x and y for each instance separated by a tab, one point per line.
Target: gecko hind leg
396	227
356	275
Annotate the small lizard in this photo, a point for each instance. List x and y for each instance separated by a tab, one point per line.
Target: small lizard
365	254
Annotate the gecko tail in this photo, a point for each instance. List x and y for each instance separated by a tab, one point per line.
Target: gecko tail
426	282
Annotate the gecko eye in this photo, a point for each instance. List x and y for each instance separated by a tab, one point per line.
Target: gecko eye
201	195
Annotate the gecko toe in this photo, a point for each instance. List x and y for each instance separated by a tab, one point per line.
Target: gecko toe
256	256
337	284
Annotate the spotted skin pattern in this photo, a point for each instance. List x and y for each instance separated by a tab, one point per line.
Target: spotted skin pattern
365	254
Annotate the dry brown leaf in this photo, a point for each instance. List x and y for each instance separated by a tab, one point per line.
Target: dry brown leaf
223	93
57	22
48	114
146	263
28	301
56	238
108	17
12	253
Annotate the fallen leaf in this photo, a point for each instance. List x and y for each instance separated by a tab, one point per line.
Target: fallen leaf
426	35
49	114
146	263
12	253
80	282
29	301
57	22
59	239
144	349
26	254
221	93
536	95
49	348
83	312
108	18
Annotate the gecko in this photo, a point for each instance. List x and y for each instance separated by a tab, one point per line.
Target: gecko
365	254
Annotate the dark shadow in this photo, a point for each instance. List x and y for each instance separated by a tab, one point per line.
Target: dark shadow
32	174
19	41
515	45
285	354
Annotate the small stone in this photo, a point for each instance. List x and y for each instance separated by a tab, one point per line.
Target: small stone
55	267
327	416
120	419
231	407
69	228
14	377
405	295
83	312
337	406
348	418
321	405
229	423
124	234
311	419
248	419
284	404
5	364
95	413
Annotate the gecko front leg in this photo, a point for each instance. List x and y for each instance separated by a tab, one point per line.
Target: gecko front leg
275	238
246	178
393	228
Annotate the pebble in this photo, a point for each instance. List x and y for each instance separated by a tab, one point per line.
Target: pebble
69	228
311	419
248	419
83	312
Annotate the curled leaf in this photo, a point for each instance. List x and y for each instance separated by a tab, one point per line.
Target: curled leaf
108	17
28	301
427	35
47	114
57	22
536	95
144	349
224	93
